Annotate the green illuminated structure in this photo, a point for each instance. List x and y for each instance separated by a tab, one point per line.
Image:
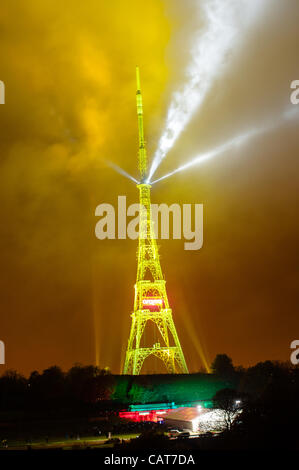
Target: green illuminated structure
151	302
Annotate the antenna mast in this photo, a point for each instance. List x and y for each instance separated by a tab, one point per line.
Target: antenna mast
142	158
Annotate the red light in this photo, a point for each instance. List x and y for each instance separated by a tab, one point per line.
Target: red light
137	416
152	302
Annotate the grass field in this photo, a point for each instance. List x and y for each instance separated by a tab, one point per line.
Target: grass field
56	443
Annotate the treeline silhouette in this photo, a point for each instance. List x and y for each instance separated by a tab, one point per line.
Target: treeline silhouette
88	386
269	392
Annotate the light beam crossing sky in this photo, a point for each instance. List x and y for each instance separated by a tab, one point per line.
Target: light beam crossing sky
226	24
266	126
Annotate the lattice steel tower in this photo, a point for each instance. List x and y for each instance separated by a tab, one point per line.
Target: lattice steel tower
151	302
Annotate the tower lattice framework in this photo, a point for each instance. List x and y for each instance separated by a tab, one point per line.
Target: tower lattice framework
151	302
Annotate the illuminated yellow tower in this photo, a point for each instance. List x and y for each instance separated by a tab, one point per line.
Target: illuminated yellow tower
151	302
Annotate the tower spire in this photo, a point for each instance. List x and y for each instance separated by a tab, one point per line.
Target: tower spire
142	158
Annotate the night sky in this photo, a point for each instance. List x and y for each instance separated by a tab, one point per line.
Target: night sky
69	73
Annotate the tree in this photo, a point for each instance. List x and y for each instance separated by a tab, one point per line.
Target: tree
264	374
80	380
13	390
228	401
50	387
223	366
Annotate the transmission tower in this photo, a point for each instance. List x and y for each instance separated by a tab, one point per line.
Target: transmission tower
151	302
